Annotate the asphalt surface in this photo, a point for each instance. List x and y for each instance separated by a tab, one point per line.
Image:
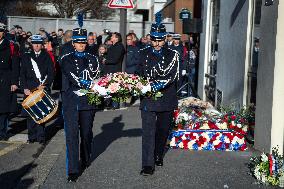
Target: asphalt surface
117	162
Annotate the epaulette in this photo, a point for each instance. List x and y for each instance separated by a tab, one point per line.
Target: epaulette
66	55
91	54
147	47
173	50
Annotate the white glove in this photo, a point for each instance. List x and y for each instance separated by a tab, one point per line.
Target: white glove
146	89
78	93
183	72
101	90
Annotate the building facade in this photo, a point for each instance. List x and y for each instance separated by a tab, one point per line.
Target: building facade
231	30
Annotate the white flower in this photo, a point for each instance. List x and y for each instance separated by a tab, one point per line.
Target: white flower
264	157
227	140
173	142
239	125
223	126
216	142
233	123
257	174
180	145
183	137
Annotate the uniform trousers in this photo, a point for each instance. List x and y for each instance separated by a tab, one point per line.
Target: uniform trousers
155	127
76	122
3	124
35	131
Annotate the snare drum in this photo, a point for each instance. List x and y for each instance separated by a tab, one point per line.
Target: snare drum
40	106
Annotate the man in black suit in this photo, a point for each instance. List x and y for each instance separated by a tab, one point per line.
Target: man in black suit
92	47
38	59
160	65
115	54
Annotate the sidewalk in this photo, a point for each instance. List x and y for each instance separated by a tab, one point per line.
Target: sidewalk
117	162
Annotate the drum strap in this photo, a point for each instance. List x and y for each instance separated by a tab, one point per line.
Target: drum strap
37	72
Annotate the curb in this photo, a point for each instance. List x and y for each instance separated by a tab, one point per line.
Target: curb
44	163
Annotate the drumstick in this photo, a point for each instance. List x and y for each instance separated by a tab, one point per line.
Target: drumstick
35	89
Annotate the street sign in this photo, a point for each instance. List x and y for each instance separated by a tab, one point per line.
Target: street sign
122	4
185	14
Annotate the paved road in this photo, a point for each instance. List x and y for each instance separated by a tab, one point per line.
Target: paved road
117	162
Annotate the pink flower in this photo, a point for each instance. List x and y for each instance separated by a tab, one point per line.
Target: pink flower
139	85
113	87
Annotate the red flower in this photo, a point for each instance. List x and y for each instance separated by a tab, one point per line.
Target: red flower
176	112
243	147
212	125
233	117
185	142
198	113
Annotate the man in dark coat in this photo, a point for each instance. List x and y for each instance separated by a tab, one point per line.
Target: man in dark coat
38	59
160	65
92	47
177	46
131	55
9	79
67	47
79	69
115	55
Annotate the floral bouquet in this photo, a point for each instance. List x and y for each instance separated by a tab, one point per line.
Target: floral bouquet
267	168
196	118
119	87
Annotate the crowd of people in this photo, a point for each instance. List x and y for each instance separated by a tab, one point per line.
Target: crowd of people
56	60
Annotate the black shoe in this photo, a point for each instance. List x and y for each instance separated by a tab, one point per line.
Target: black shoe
72	177
147	170
159	161
30	141
3	138
42	142
84	165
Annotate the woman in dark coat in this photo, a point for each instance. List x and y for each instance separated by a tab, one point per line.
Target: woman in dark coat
9	73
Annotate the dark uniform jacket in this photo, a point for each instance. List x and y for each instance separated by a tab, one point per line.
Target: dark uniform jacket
158	68
73	69
131	56
28	77
9	75
114	58
92	49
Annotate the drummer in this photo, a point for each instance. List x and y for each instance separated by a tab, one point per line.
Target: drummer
37	72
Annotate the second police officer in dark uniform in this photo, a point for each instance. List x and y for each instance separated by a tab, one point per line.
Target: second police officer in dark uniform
79	69
160	65
33	62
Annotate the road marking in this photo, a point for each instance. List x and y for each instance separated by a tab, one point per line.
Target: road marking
9	148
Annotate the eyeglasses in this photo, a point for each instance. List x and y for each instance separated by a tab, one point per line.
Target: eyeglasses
128	39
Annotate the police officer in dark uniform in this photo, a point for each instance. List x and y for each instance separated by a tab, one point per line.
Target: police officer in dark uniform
79	69
9	79
160	65
37	72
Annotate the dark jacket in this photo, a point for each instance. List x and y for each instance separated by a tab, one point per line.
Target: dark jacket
131	61
101	59
152	66
28	77
66	48
72	68
9	75
93	49
114	58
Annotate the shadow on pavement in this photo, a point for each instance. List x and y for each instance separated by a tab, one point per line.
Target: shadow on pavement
111	132
10	179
